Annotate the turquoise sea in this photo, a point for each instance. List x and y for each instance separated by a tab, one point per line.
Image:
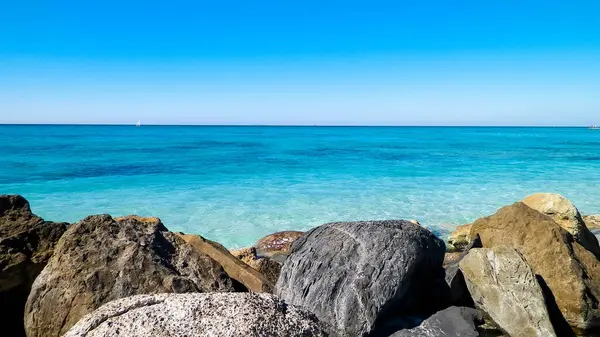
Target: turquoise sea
236	184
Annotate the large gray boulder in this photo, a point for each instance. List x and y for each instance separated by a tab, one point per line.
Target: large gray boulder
101	259
191	315
354	275
453	321
26	244
503	285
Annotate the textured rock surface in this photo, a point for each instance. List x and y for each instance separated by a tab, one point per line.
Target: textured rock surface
268	267
276	245
353	275
233	266
214	314
101	259
571	272
566	215
459	294
592	221
26	244
459	239
453	321
503	285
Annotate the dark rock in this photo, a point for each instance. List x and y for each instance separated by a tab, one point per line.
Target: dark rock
214	314
101	259
453	321
26	244
356	275
459	294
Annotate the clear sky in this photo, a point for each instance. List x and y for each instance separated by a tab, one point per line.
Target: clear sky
495	62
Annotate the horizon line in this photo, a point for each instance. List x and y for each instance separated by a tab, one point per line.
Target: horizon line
302	125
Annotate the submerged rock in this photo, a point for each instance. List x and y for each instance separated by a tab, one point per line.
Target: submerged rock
214	314
571	272
234	267
101	259
26	244
453	321
566	215
354	275
269	268
503	285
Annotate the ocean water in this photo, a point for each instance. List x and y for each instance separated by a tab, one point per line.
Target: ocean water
236	184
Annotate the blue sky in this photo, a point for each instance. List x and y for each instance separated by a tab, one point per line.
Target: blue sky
282	62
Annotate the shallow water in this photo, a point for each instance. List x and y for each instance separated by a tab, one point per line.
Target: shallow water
236	184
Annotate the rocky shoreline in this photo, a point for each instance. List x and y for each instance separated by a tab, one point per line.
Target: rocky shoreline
530	269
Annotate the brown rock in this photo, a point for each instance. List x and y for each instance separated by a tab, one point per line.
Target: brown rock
267	267
592	221
234	267
276	245
566	215
100	259
571	272
460	238
26	244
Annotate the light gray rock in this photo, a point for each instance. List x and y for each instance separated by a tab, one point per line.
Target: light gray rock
353	275
453	321
198	314
503	285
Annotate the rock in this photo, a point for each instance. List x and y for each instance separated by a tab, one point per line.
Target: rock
266	266
234	267
26	244
459	239
453	321
353	275
459	294
101	259
571	272
503	285
213	314
592	221
566	215
276	245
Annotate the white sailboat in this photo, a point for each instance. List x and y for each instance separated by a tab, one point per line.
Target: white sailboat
138	123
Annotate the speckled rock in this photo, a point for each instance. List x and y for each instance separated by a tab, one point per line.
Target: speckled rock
276	245
26	244
453	321
191	315
237	269
571	272
101	259
354	274
268	267
592	221
566	215
503	285
459	239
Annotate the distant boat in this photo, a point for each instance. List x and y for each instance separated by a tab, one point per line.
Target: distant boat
138	123
594	127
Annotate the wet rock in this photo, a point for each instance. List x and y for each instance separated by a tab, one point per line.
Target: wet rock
355	275
276	246
459	239
503	285
101	259
26	244
213	314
